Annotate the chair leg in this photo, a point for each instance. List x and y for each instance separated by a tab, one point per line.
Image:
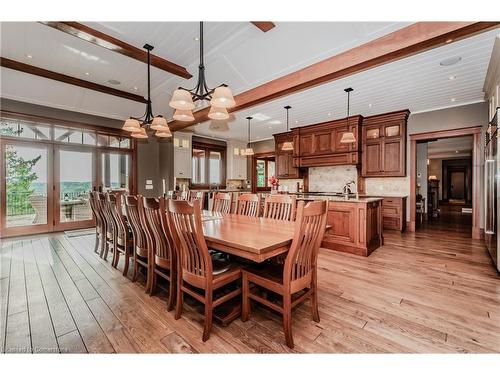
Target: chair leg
127	263
96	246
245	308
149	272
116	257
207	327
179	298
171	292
314	305
287	320
136	269
154	277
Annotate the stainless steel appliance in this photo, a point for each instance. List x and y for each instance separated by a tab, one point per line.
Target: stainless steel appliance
492	191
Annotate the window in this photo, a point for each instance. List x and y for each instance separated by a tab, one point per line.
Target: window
208	165
264	168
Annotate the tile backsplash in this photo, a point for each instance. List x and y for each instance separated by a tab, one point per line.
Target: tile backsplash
331	179
387	186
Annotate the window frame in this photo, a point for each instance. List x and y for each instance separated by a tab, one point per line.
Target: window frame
207	147
267	157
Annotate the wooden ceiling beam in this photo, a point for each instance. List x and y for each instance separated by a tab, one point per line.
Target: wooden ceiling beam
410	40
101	39
263	25
25	68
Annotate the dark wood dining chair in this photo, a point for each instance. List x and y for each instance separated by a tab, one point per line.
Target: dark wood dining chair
280	206
222	203
122	236
197	269
200	195
100	223
297	275
162	257
140	246
108	225
248	205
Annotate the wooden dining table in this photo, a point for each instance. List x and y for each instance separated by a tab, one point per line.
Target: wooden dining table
251	238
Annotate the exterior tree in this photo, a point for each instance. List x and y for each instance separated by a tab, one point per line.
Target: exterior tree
19	172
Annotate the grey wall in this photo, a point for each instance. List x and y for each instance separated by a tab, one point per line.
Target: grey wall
154	156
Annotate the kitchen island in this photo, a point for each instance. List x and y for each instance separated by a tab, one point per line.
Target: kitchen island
356	223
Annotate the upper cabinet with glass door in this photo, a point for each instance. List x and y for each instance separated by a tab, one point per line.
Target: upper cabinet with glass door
384	145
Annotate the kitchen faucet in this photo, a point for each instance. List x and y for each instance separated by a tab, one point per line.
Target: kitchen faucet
346	190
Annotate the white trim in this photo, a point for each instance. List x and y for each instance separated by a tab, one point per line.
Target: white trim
448	106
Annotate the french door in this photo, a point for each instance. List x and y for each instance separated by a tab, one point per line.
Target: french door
26	198
45	187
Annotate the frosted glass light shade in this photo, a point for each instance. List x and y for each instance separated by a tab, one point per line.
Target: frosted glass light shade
181	99
183	115
348	137
287	146
140	133
218	113
163	133
223	98
131	125
159	123
249	151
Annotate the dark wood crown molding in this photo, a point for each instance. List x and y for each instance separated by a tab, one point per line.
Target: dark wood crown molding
408	41
263	25
116	45
22	67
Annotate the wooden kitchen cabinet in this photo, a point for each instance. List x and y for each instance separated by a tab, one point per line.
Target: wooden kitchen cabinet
319	144
384	145
394	213
286	165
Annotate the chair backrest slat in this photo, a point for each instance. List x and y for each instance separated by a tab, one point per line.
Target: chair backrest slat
114	204
309	231
133	216
151	221
248	205
280	206
185	224
222	203
200	195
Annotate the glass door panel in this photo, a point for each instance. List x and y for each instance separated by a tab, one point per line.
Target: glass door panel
75	179
26	198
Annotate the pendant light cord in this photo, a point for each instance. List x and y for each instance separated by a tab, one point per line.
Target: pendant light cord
249	118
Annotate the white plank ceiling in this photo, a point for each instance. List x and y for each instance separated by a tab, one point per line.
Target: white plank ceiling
240	55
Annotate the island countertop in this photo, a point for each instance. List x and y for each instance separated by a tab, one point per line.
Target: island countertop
334	198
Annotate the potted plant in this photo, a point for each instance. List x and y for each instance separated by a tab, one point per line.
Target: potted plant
274	184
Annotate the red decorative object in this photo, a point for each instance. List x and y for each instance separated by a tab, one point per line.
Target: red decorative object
274	181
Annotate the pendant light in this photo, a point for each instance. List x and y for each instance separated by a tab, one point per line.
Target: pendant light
287	146
137	126
249	150
348	137
220	98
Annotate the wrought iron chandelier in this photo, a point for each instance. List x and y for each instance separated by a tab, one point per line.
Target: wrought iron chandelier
287	146
137	125
220	98
249	149
348	137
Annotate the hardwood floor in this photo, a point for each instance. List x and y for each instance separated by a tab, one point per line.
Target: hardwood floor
424	292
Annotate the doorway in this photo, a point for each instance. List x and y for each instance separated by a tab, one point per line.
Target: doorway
453	189
263	167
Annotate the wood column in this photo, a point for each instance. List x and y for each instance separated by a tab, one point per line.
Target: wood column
413	185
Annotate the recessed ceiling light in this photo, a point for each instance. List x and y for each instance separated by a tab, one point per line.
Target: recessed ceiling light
456	152
135	88
260	117
450	61
296	121
453	99
114	81
274	122
451	78
196	39
87	73
370	105
329	113
29	56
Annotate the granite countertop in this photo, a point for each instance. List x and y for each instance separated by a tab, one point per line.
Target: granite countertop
333	198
